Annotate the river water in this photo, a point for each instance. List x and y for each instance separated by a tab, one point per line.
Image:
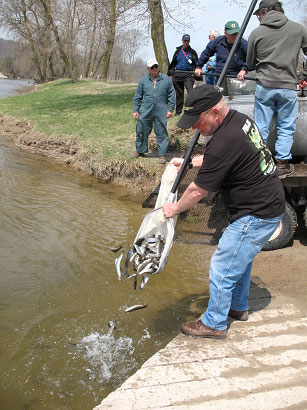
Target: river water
9	87
58	287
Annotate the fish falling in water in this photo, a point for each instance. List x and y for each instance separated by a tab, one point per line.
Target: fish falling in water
145	257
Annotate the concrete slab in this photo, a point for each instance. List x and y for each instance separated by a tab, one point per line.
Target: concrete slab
261	365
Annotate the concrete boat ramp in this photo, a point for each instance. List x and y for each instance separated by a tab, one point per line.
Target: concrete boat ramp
261	365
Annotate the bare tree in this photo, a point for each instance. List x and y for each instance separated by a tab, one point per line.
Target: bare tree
47	8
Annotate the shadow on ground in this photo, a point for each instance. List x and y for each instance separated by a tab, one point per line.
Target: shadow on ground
192	306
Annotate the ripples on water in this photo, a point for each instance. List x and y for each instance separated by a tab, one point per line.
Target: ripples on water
58	287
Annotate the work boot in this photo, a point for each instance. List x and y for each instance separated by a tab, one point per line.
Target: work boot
239	315
198	329
138	155
162	160
284	168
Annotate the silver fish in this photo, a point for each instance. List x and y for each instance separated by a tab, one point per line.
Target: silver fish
116	248
153	248
151	240
139	249
152	255
142	265
112	324
135	307
117	262
145	279
128	260
135	282
147	269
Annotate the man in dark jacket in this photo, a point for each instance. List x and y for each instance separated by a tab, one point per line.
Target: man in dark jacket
181	68
222	46
273	51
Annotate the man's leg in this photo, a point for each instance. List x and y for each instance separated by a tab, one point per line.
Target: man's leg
143	129
286	107
210	79
178	83
231	264
264	109
240	293
189	84
160	128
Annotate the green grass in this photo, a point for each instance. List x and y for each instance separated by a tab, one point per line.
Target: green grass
98	113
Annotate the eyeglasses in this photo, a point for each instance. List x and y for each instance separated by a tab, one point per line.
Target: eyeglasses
201	117
154	66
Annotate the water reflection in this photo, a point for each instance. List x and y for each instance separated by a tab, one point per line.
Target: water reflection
9	87
58	287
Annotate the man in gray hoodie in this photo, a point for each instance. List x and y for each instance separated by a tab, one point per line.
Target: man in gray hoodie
273	51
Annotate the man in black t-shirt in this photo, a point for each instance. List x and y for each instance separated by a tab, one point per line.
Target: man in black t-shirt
238	164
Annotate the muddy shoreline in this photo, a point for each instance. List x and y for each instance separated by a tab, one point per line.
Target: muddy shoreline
136	176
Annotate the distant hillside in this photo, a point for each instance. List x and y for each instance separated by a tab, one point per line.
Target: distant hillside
16	59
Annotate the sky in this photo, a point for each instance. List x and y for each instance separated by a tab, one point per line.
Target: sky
213	14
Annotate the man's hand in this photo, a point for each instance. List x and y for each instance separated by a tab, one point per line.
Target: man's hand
302	83
198	71
177	162
169	209
241	75
169	114
135	115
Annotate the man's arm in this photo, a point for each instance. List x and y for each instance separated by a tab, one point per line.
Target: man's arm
196	162
204	57
190	197
251	60
171	67
138	96
170	98
244	47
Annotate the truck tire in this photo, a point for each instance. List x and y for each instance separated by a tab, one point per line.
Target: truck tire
285	231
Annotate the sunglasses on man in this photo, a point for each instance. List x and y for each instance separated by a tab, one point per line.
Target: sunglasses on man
154	66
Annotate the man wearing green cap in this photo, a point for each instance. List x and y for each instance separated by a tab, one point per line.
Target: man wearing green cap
238	164
273	51
222	46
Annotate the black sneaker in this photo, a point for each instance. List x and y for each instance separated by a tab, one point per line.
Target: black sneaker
138	154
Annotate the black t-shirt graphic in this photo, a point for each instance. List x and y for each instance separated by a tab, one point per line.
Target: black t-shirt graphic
238	163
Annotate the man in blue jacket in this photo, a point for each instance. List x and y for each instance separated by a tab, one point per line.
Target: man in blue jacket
153	103
181	69
222	46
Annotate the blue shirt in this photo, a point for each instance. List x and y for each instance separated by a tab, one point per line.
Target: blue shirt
222	49
182	61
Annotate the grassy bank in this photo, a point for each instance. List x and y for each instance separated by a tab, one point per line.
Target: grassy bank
96	116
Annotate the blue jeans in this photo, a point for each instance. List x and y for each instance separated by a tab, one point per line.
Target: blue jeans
210	79
231	264
284	103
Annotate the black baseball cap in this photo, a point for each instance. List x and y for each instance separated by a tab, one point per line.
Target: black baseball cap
201	99
186	37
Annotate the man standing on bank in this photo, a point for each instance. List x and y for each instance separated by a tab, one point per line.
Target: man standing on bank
273	51
184	60
221	46
238	164
153	103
